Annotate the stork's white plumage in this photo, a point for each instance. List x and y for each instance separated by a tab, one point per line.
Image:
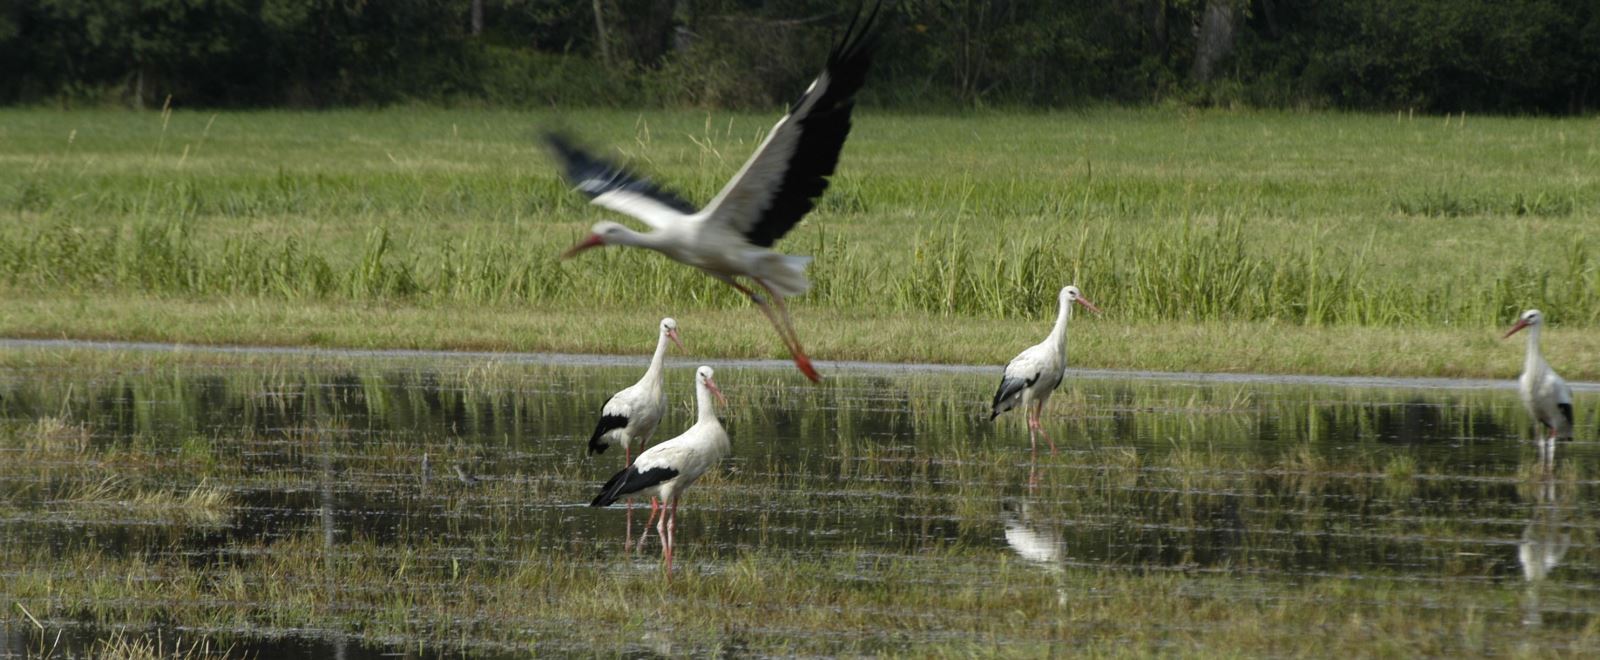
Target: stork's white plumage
1544	393
732	236
631	415
1036	372
667	469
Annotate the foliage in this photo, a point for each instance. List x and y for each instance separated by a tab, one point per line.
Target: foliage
1433	55
1356	239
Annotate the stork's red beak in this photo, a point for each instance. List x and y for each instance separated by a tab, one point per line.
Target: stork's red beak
1521	323
1085	302
672	333
712	385
593	241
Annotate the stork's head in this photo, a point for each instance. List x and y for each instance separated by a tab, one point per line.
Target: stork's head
603	233
669	328
702	377
1531	317
1071	294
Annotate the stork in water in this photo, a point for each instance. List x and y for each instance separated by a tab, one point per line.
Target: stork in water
732	236
667	469
632	414
1035	373
1545	394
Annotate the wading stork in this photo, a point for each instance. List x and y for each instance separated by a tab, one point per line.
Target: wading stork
1545	394
632	414
732	236
667	469
1036	372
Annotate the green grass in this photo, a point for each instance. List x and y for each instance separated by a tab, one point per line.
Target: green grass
491	586
1216	241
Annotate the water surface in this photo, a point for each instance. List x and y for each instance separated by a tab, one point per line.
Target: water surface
461	471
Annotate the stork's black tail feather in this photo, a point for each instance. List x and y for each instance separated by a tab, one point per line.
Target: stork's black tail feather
611	491
631	480
1566	411
1009	388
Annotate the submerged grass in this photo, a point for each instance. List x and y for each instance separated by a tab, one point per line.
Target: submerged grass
66	472
1275	223
869	515
765	601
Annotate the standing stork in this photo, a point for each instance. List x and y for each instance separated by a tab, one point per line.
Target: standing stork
732	236
1545	394
667	469
1036	372
633	413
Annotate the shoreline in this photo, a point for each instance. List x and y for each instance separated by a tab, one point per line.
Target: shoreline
846	366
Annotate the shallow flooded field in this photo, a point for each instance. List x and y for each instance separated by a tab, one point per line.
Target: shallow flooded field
289	505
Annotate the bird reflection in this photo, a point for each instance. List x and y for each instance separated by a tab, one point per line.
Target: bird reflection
1033	537
1544	543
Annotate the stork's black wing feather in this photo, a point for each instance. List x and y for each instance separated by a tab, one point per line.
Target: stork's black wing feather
782	181
1009	387
607	424
594	176
631	480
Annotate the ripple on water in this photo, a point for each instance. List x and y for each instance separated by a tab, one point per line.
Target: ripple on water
884	478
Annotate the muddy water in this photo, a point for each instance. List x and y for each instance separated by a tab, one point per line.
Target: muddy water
482	463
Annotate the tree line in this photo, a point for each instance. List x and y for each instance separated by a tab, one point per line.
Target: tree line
1511	56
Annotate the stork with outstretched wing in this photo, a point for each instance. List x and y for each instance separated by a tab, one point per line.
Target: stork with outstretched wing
732	237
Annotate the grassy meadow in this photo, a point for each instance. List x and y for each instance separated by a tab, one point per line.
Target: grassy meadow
1215	241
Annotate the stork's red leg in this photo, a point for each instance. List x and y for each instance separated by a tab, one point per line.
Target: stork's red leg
1038	411
654	508
1033	436
627	530
661	532
785	331
790	336
671	518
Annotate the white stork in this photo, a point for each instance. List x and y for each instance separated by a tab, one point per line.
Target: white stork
1545	394
667	469
1036	372
732	236
633	413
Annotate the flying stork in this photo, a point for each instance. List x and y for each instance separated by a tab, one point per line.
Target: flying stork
732	237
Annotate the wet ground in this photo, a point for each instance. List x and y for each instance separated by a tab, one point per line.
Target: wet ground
239	501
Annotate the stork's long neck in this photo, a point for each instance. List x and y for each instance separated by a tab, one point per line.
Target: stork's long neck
1534	361
653	240
1058	334
705	402
653	374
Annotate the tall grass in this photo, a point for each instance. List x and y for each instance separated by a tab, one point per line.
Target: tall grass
1317	220
1199	273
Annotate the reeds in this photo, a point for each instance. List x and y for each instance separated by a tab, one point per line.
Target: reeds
1201	273
1287	219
